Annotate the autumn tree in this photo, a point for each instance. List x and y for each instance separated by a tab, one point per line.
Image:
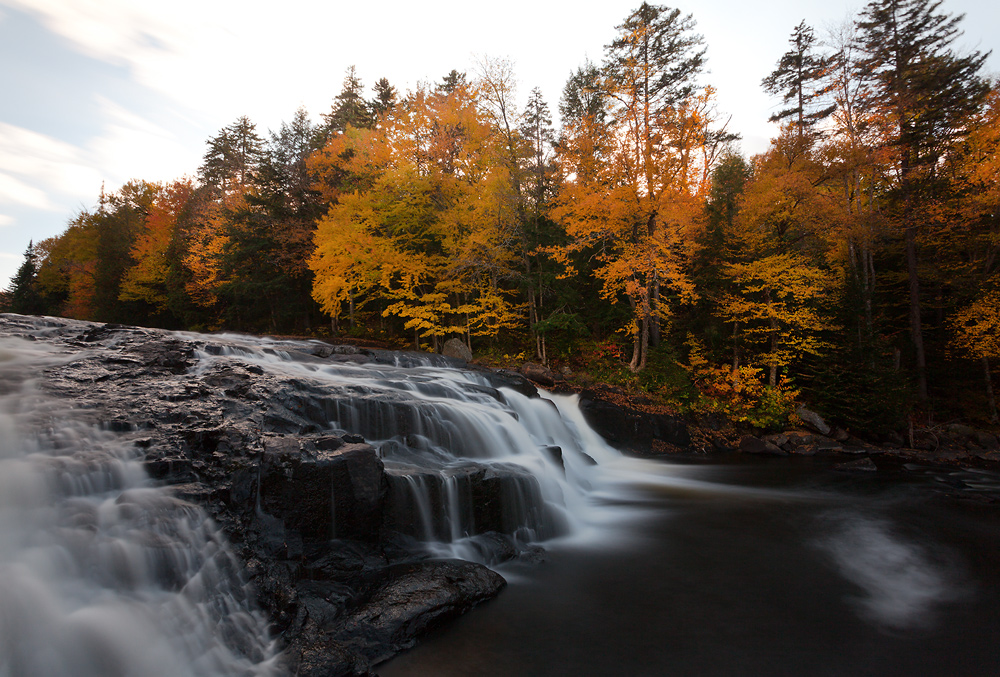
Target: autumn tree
155	249
631	189
422	218
976	334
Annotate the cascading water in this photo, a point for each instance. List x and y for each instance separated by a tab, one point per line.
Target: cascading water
104	573
100	574
464	457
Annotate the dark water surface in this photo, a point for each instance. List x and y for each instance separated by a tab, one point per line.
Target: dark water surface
785	568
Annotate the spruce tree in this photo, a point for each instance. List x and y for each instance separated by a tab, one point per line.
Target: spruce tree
22	294
349	107
927	94
799	79
386	97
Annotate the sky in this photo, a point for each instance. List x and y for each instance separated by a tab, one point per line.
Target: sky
98	92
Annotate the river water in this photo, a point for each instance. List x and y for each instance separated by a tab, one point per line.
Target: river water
777	567
738	566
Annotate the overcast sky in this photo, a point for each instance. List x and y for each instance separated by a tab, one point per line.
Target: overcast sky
103	91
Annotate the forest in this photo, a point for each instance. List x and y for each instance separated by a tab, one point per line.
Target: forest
853	266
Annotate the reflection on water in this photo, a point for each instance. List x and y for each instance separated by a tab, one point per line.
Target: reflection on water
901	581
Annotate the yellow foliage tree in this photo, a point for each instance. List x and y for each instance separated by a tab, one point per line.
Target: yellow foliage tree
779	302
422	216
977	334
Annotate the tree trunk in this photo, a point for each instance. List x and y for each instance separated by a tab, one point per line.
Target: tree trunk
916	330
654	312
989	391
736	347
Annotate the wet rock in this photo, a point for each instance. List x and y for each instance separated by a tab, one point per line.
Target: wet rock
862	465
753	445
504	378
335	492
168	354
813	420
500	498
416	598
457	349
632	430
543	376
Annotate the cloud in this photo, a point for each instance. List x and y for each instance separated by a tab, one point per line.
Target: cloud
35	166
6	220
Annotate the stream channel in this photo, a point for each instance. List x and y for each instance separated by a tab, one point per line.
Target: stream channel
763	567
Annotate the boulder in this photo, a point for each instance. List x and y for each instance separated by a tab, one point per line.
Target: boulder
332	490
414	599
630	430
457	349
863	465
813	420
539	374
754	445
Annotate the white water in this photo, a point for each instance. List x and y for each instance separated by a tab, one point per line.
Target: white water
432	423
101	575
900	582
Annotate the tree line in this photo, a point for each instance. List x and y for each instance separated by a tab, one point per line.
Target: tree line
853	263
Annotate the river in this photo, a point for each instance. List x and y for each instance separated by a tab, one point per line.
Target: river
781	567
677	566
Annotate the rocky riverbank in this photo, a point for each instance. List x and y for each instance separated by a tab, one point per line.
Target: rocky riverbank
638	427
305	511
309	512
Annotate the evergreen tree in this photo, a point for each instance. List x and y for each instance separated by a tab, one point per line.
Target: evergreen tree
349	107
926	95
386	98
453	81
22	296
536	130
233	157
583	97
800	80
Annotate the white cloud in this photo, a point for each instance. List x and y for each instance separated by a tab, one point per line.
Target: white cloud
6	220
34	167
133	147
14	191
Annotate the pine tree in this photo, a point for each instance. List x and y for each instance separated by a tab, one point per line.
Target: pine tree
926	94
349	107
800	80
386	98
454	80
22	295
233	157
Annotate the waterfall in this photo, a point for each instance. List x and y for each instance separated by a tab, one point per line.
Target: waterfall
104	572
464	457
100	573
